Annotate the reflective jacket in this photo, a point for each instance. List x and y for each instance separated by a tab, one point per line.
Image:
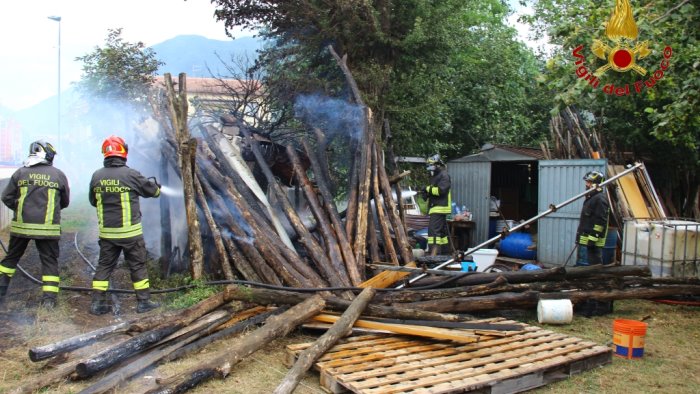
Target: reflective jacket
115	191
593	225
37	194
439	195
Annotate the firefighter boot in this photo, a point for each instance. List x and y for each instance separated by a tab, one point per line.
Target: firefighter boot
48	300
144	301
99	305
4	283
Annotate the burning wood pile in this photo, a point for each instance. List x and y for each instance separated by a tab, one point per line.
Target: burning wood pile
246	227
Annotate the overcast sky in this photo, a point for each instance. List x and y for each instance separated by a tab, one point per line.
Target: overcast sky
29	49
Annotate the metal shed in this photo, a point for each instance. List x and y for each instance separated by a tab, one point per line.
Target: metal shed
525	184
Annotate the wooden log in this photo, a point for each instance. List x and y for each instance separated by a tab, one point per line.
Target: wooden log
327	198
340	328
177	104
224	333
197	329
353	191
364	173
335	272
216	234
166	242
279	297
305	238
529	299
389	250
549	274
219	366
373	241
321	160
404	248
69	344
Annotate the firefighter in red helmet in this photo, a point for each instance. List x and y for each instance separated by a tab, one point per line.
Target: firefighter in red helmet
115	190
36	193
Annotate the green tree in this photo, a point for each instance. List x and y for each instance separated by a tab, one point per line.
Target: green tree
424	65
119	71
661	124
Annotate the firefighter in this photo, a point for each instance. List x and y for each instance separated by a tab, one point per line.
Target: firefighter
439	199
115	191
593	226
36	192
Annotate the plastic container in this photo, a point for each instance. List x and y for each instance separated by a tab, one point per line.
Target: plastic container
628	338
667	247
468	266
516	245
484	258
555	311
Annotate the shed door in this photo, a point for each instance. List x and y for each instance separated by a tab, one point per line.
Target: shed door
560	180
471	186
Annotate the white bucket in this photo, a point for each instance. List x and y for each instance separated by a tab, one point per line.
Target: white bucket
484	258
555	311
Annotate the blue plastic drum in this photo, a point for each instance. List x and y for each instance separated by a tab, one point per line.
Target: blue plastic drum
516	245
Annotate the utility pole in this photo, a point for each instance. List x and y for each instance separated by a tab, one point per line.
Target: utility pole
58	119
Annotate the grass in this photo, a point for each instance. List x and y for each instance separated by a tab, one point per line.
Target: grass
671	352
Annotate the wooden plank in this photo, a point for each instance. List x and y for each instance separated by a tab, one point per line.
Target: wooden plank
387	278
521	361
406	329
633	196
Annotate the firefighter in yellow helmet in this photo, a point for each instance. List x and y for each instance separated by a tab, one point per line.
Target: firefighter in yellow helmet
115	190
438	196
36	193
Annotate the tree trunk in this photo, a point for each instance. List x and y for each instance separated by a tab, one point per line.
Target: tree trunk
389	250
529	299
43	352
216	234
186	150
166	241
339	329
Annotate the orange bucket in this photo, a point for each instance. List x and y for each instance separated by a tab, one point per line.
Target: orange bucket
628	338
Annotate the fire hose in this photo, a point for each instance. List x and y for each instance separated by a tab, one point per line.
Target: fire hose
226	282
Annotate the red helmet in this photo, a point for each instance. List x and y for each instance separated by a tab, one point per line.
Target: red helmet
115	146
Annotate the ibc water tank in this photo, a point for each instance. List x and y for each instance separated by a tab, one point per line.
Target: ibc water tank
516	245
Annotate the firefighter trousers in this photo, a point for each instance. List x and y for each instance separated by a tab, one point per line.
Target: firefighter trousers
135	256
49	251
437	233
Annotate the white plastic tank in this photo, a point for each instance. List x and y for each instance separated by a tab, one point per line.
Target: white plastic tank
670	248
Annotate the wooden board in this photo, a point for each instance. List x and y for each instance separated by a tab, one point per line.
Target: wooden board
387	278
632	194
399	364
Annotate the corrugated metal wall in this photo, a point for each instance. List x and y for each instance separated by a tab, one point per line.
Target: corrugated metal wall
560	180
471	185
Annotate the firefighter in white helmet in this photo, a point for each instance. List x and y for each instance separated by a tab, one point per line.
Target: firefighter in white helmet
593	225
36	193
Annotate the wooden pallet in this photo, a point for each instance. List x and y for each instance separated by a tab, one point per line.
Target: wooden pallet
399	364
